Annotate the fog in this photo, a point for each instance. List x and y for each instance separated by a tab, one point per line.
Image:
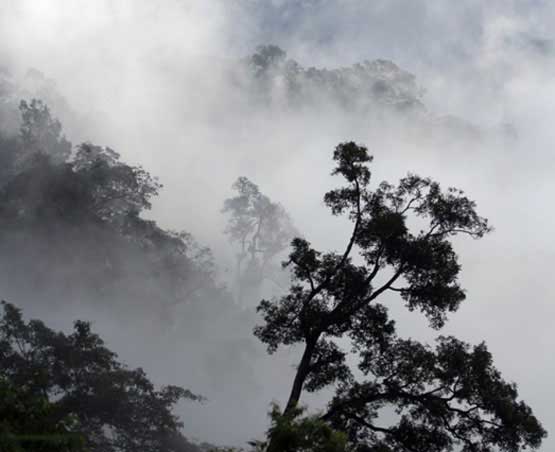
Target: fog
158	82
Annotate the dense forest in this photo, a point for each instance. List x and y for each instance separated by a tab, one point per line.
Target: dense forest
75	232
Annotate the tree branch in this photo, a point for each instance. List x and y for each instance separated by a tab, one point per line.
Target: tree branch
316	290
307	272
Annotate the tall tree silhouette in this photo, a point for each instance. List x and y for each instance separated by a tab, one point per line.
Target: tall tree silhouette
444	397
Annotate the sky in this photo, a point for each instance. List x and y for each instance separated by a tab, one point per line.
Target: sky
146	78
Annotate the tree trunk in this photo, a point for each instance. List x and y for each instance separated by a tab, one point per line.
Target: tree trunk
300	376
298	382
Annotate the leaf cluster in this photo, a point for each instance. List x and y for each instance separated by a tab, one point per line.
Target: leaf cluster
115	408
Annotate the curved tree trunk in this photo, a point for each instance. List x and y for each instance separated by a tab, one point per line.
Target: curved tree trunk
300	377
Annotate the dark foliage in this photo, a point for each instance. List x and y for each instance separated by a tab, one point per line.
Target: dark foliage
450	396
28	423
81	388
297	433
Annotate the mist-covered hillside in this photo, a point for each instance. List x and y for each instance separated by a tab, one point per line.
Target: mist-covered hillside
74	239
157	159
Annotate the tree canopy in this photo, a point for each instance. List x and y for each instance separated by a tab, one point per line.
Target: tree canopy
78	386
450	396
27	423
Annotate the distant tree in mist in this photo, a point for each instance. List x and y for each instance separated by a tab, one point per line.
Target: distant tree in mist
39	134
447	396
261	230
362	87
62	391
42	133
265	58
